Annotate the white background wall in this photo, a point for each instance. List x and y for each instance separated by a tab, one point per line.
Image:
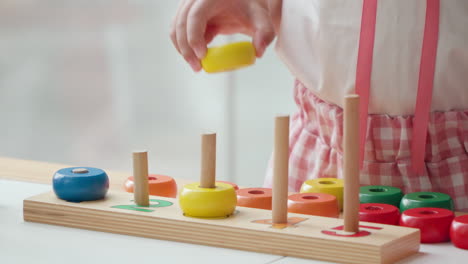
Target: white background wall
87	82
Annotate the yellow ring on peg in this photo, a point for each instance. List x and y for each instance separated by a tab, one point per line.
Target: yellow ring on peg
331	186
229	57
218	202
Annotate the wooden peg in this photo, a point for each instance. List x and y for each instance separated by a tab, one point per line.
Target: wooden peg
208	198
208	161
280	171
351	163
140	175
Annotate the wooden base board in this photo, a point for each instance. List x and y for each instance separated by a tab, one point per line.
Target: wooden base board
305	239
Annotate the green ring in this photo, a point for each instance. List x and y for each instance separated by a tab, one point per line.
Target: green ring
426	199
380	194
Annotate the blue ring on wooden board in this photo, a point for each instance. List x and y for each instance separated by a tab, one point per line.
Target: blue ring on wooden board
77	187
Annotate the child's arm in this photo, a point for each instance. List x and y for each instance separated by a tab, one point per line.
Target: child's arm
197	22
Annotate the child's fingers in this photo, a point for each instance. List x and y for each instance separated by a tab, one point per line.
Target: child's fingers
190	32
210	33
196	25
181	37
173	33
264	30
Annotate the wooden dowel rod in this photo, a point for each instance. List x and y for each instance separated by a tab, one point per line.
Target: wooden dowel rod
280	171
351	163
208	161
140	178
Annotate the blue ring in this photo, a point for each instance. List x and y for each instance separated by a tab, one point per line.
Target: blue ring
78	187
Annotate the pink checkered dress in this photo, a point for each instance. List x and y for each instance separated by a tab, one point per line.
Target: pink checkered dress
316	149
416	151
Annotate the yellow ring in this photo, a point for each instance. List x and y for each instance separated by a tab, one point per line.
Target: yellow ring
331	186
229	57
218	202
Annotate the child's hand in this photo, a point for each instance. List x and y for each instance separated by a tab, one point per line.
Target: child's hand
198	21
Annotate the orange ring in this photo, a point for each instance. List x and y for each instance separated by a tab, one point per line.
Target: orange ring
321	204
331	186
231	183
255	198
159	185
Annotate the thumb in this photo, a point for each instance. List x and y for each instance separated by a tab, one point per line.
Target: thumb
264	32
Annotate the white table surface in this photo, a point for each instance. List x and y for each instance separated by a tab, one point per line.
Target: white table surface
26	242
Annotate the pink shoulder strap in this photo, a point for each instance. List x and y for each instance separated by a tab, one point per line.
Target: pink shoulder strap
425	83
364	68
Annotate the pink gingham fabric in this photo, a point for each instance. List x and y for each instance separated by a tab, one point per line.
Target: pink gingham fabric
316	149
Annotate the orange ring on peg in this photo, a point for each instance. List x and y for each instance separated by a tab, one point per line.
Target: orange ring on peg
320	204
159	185
255	198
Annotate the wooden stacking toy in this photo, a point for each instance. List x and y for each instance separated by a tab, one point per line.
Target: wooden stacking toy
426	199
320	204
159	185
260	198
459	231
208	198
331	186
434	223
380	194
229	57
379	213
78	184
274	232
